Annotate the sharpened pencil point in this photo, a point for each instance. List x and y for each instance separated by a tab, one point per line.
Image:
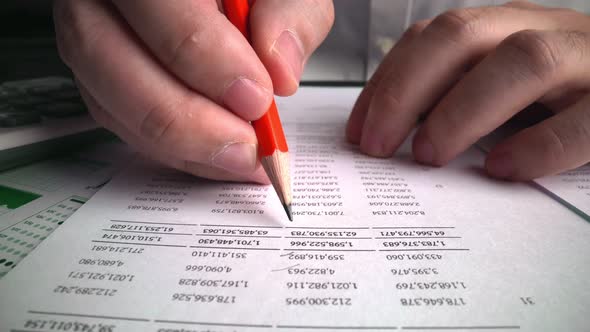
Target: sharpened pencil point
276	167
288	210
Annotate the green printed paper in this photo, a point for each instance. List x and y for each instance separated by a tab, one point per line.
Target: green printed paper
11	198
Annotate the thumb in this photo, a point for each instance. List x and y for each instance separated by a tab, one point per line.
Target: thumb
285	33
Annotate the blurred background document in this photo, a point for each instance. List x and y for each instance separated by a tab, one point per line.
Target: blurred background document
37	198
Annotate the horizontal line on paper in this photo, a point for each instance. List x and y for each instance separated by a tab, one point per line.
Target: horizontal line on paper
212	323
328	237
246	226
142	244
417	237
206	247
485	327
70	314
410	227
338	327
350	250
152	222
141	232
446	249
250	236
310	227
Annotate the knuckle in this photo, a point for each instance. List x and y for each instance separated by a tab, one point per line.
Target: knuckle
175	51
535	52
388	98
576	42
459	25
454	123
160	119
583	128
416	29
553	144
564	138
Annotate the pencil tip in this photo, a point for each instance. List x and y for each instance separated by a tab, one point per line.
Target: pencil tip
288	210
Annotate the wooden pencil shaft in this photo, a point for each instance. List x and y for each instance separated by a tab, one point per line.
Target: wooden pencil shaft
278	170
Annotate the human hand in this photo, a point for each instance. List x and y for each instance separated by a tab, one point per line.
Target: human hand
176	80
470	70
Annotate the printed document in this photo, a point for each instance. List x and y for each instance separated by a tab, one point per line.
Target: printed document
376	244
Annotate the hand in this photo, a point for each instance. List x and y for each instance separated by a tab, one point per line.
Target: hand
470	70
176	80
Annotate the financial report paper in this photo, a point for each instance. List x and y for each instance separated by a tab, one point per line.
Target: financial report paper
377	244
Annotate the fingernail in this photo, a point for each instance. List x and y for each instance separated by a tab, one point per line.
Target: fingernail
501	165
237	158
289	47
247	98
423	149
372	135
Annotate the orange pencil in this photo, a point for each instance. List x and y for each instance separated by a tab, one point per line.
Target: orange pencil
272	146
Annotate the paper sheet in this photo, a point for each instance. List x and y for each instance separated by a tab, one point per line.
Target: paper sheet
36	199
377	244
572	188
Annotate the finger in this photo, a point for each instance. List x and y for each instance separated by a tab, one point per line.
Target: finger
553	146
144	97
157	154
200	46
358	115
424	72
285	33
526	66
